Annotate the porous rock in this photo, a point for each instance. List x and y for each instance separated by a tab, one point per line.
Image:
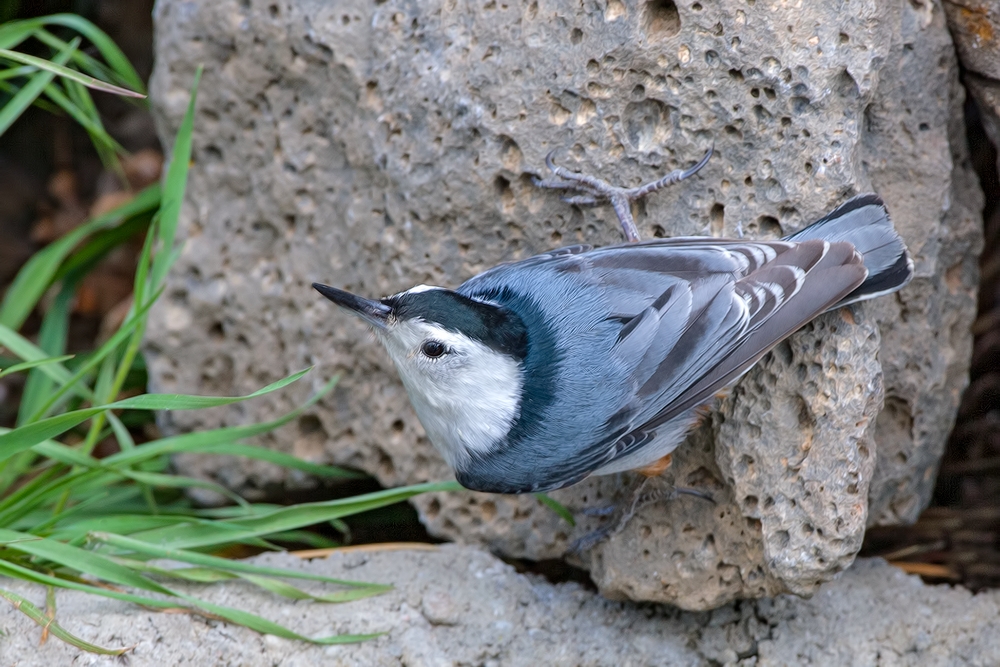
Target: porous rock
874	614
975	26
379	146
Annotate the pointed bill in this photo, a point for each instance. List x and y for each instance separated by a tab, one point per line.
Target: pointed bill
375	313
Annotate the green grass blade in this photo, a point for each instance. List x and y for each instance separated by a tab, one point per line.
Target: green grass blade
228	534
102	385
14	107
143	263
99	244
267	627
235	616
118	523
37	525
107	148
285	518
63	71
28	365
124	438
26	490
286	590
129	544
29	435
204	575
52	339
11	90
28	351
38	616
42	490
125	443
15	72
13	33
78	559
174	186
57	451
11	569
36	276
173	481
305	537
88	120
200	575
112	55
76	380
83	61
230	512
284	460
189	402
199	441
556	507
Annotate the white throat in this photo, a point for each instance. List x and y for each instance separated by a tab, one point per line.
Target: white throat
467	400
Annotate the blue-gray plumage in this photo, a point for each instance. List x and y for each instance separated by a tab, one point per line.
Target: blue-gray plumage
535	374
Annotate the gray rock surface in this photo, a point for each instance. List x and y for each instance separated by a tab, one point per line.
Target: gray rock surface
378	146
461	606
975	26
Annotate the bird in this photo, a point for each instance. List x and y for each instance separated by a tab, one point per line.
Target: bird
539	373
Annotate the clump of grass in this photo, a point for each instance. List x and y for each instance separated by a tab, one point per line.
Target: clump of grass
71	520
61	83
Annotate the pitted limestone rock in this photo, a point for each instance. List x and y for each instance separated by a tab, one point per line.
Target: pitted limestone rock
810	492
379	146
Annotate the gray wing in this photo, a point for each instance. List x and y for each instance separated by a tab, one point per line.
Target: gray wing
671	322
725	304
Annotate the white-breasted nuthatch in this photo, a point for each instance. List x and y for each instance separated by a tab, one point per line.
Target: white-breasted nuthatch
536	374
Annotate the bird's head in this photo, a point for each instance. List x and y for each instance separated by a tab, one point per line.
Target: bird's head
460	359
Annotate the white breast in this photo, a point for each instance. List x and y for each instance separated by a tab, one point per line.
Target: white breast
467	400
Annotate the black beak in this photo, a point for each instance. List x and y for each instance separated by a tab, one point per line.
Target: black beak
375	313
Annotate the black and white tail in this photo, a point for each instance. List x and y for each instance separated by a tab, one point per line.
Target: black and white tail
864	222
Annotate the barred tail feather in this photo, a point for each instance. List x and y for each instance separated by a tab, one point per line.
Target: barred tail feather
864	222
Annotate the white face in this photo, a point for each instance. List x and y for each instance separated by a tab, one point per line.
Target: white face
465	393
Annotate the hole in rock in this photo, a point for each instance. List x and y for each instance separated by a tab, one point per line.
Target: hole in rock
662	18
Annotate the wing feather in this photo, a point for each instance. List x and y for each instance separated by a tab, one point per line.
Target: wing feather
673	320
837	273
746	297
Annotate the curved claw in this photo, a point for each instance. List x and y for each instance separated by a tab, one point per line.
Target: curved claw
550	160
701	163
675	176
697	493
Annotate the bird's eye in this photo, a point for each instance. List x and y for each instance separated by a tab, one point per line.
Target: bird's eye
433	348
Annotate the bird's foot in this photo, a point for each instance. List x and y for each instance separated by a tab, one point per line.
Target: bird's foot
621	514
590	191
